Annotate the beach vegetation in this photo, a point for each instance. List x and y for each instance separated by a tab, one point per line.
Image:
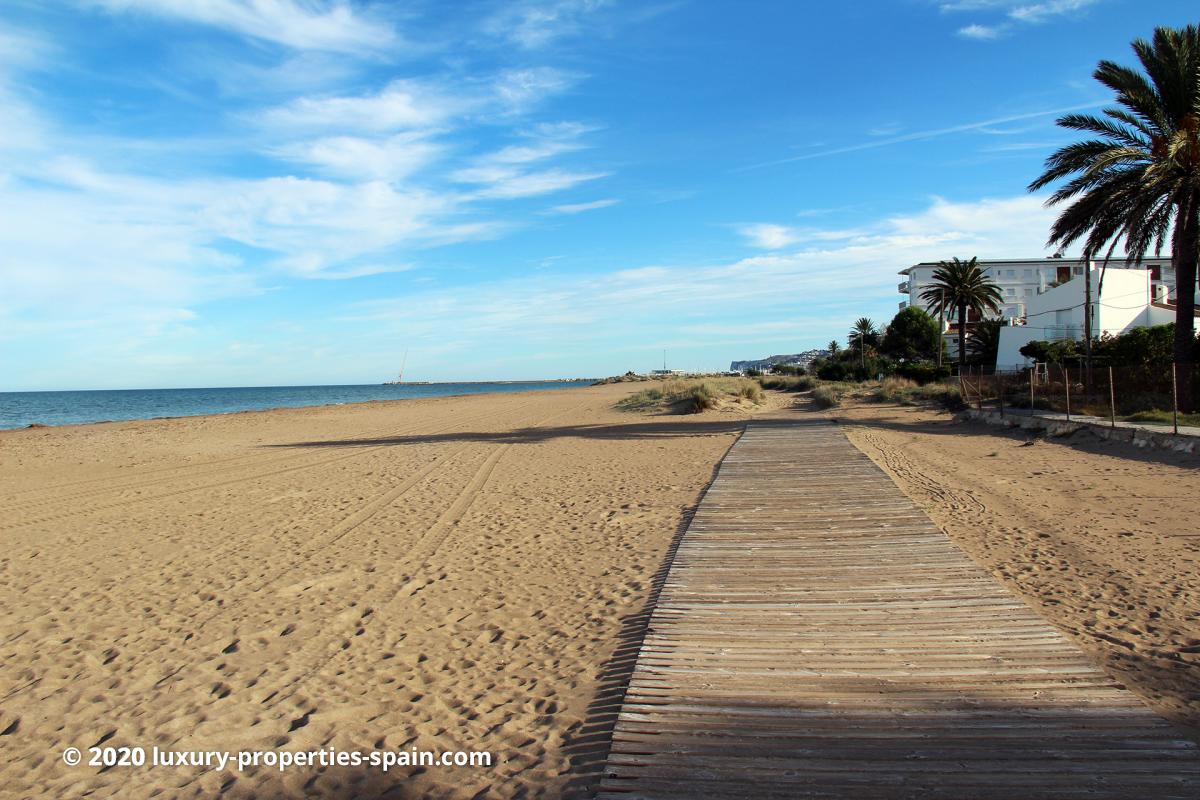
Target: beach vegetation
828	395
912	335
682	396
788	383
1137	180
910	393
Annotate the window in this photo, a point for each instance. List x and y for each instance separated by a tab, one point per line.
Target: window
1012	273
1077	270
1028	273
1010	291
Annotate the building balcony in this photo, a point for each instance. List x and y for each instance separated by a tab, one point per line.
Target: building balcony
903	288
1061	333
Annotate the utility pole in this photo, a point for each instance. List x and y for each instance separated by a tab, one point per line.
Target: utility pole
941	342
1087	322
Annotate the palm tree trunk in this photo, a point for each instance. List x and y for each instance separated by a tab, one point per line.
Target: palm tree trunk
962	336
1186	254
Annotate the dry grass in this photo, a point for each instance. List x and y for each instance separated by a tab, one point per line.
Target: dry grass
693	396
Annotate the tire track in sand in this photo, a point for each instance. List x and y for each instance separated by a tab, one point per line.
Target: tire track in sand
212	485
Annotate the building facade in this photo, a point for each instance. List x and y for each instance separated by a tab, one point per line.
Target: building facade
1127	300
1022	281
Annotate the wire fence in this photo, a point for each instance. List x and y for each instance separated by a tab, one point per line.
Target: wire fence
1140	394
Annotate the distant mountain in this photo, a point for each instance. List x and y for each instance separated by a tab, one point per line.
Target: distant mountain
800	359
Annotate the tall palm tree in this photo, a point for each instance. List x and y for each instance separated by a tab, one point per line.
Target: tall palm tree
863	333
833	347
1139	180
962	286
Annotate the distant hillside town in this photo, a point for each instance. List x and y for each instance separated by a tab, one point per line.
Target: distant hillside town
795	359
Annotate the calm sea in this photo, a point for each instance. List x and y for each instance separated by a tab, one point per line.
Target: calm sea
20	409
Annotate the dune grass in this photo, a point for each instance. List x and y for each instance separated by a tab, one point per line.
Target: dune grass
910	393
693	396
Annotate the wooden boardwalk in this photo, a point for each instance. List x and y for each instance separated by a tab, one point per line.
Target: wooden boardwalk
818	636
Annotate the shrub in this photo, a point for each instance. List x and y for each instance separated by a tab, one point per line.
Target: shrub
750	391
801	383
646	398
827	396
923	372
834	371
699	397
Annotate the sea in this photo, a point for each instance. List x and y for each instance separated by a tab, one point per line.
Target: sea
22	409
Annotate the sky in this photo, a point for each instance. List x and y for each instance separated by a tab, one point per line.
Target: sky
280	192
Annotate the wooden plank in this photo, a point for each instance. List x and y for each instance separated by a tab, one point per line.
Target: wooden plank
818	636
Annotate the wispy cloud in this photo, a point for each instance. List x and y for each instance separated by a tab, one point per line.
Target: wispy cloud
579	208
537	23
980	32
768	236
401	105
311	25
922	135
1013	13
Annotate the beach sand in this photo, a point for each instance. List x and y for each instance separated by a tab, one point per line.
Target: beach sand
1101	538
473	574
447	574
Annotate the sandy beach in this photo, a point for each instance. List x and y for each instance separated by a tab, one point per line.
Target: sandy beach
472	574
450	574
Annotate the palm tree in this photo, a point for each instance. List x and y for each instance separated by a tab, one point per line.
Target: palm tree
833	347
1139	180
863	332
961	286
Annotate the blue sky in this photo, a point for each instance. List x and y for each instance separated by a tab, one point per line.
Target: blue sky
254	192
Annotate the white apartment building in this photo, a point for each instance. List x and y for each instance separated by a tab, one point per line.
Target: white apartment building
1022	280
1127	300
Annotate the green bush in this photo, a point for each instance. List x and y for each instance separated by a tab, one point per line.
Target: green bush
834	371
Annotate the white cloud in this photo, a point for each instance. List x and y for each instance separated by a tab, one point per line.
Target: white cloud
601	309
768	236
518	90
401	105
390	158
506	183
537	23
1014	12
578	208
980	32
307	25
1040	12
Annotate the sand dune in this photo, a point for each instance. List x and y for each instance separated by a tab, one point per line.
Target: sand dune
450	574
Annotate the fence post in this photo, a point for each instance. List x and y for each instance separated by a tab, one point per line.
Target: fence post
1067	387
1174	400
979	389
999	392
1112	401
1032	405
